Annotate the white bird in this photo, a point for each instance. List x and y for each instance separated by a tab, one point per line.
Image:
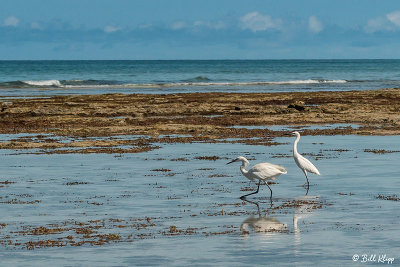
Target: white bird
261	172
304	164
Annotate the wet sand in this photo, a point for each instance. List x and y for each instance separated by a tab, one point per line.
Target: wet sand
73	124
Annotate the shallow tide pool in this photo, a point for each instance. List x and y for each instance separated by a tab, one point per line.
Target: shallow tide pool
179	205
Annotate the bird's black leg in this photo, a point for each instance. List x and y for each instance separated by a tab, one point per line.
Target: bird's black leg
308	184
244	196
269	189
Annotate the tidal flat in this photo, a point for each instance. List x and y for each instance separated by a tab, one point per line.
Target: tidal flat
131	123
113	188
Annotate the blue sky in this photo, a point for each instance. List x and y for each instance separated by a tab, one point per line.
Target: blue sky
189	29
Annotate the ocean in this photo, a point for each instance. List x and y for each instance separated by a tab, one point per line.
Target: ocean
24	78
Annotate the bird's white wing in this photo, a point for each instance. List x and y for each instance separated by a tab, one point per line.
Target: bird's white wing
280	168
267	170
305	164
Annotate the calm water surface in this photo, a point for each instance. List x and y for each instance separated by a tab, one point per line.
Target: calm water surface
203	195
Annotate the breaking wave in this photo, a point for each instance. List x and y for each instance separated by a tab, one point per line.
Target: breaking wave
51	83
197	81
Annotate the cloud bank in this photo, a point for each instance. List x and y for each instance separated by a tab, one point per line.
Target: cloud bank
254	34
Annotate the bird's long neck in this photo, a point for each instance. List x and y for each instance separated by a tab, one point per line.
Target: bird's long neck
243	167
295	145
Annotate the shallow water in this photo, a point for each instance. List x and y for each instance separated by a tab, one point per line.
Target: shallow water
299	127
171	207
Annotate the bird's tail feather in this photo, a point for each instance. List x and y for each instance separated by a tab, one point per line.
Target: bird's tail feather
316	172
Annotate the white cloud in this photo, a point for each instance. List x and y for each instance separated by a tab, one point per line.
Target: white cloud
255	21
110	29
394	18
314	24
11	21
178	25
384	23
378	24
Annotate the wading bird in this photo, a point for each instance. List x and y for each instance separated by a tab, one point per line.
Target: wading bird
304	164
261	172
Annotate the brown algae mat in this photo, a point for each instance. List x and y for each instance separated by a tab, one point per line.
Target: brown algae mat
101	232
148	119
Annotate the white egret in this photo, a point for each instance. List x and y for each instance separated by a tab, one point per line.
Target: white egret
261	172
304	164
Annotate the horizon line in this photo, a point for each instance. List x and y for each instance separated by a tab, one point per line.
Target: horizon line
238	59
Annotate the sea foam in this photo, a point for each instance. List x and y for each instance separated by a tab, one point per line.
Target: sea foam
197	81
44	83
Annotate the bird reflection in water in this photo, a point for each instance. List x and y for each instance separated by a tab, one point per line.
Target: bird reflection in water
266	225
303	211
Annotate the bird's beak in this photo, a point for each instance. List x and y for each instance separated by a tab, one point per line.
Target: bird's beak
231	161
